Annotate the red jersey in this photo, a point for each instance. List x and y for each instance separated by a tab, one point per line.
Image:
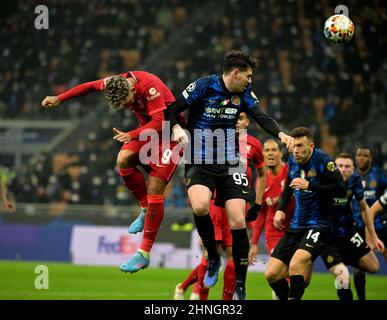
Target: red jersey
270	201
152	95
251	152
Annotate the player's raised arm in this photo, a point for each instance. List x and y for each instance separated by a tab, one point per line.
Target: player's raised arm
80	90
266	122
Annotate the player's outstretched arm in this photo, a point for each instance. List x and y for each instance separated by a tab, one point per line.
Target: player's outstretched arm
79	90
270	125
368	217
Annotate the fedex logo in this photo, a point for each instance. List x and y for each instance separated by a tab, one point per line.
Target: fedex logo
123	245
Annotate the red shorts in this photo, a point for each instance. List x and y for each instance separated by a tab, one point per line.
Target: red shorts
221	226
161	161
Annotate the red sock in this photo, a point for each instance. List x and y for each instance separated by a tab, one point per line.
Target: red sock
195	287
135	182
203	291
153	218
229	280
192	278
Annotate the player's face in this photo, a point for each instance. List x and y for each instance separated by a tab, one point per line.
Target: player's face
363	159
302	150
346	167
243	122
272	154
241	79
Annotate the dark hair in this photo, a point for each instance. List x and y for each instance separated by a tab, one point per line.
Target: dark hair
275	141
300	132
364	148
239	60
344	155
116	90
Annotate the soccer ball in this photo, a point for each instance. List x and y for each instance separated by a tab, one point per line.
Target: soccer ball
339	28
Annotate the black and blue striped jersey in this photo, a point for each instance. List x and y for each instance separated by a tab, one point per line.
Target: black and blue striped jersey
212	118
343	221
314	206
374	184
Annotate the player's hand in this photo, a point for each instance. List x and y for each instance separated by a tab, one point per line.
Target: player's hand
375	243
120	136
253	254
299	183
179	135
252	213
50	102
286	140
279	220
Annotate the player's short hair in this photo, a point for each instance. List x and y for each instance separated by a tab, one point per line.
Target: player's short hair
300	132
239	60
344	155
116	90
364	148
275	141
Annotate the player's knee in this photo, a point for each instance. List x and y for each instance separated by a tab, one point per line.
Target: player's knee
200	209
237	223
272	275
373	267
125	160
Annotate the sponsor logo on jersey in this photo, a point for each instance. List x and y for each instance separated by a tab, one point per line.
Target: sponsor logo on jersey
153	95
152	91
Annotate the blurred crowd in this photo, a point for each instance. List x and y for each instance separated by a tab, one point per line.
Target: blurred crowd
302	78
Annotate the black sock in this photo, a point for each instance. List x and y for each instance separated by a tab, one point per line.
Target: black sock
345	294
359	278
297	287
281	289
240	254
207	234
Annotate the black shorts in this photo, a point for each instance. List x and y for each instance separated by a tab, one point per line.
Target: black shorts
230	181
382	235
348	250
312	240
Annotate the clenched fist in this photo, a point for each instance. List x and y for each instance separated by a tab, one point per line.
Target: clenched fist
50	102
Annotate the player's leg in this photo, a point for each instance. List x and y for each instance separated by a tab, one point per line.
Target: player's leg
342	281
235	209
159	177
299	265
203	290
182	287
275	274
277	268
200	196
359	279
134	180
229	276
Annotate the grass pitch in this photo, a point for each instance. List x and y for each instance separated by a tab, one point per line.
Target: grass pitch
72	282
